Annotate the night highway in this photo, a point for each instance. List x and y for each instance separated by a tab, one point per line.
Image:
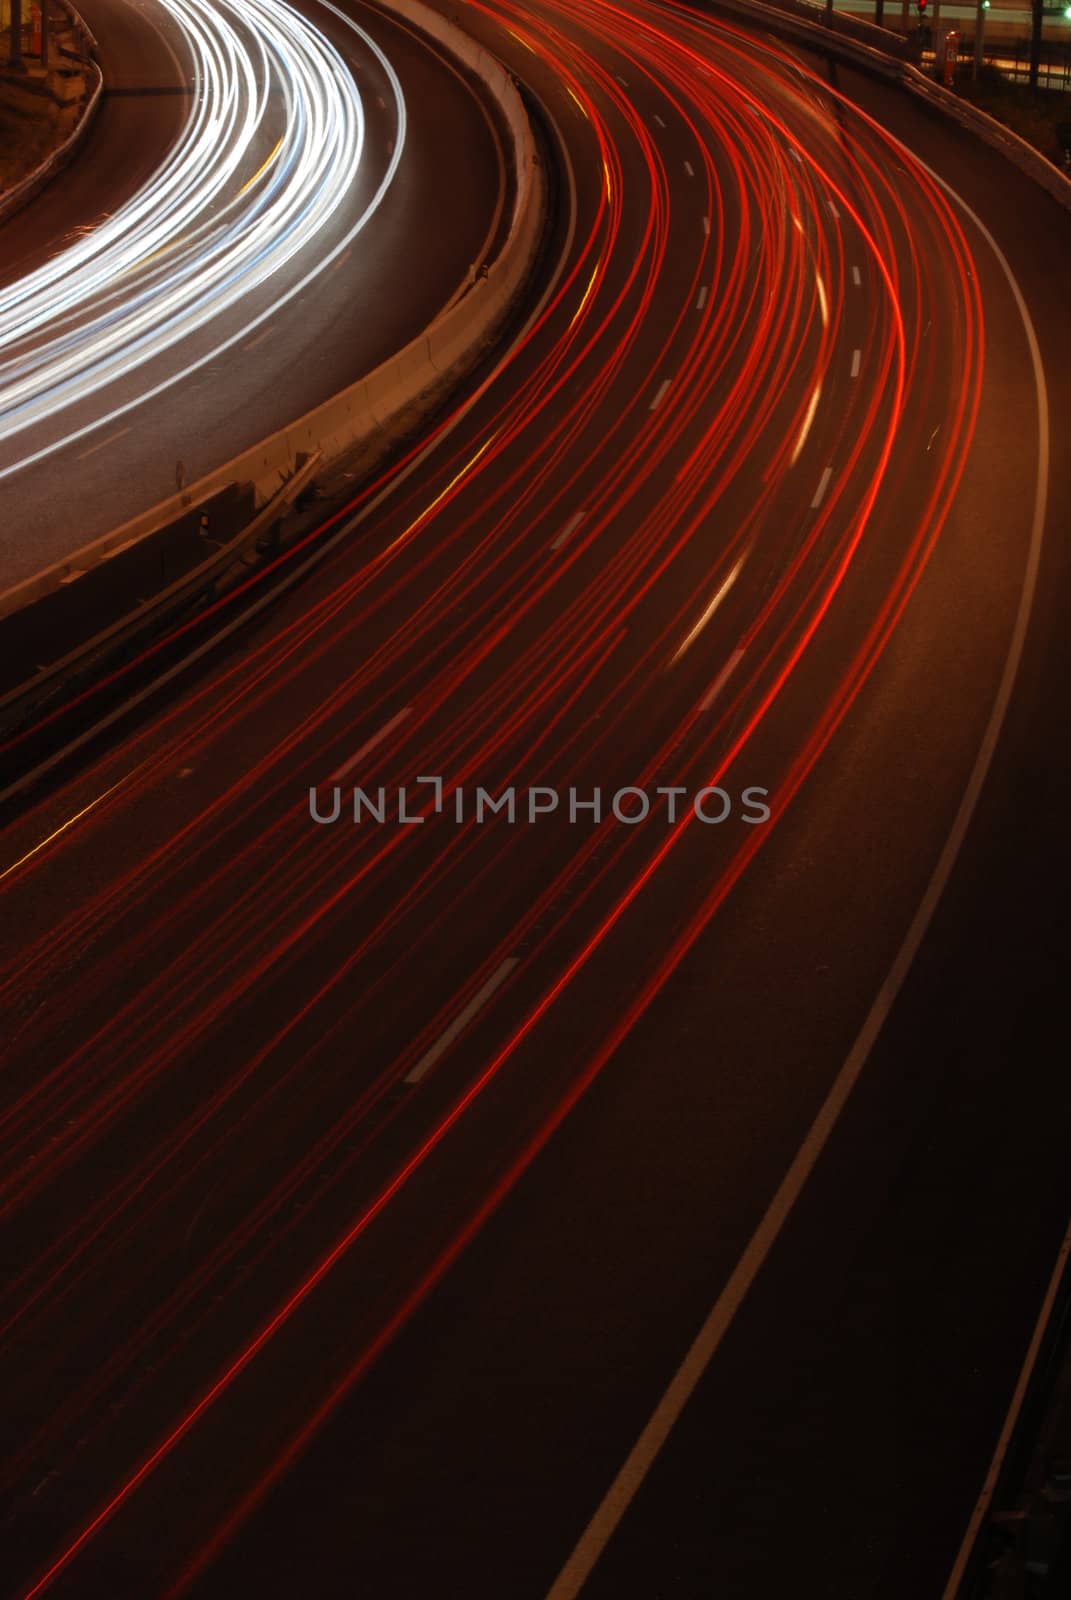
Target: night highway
236	371
534	1056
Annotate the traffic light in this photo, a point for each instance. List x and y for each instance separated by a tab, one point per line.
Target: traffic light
922	7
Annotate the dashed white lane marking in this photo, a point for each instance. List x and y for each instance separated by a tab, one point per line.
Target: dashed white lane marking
856	277
463	1018
343	258
370	745
251	344
720	681
112	437
820	492
568	531
622	81
689	169
661	395
834	213
701	298
658	119
857	356
706	224
794	152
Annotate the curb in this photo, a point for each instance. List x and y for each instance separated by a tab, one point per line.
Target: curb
370	413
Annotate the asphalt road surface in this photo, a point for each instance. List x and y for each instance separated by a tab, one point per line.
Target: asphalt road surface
365	1184
373	296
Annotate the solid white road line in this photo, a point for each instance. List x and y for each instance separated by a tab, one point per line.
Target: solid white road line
988	746
370	745
463	1018
996	1466
820	492
623	1489
569	529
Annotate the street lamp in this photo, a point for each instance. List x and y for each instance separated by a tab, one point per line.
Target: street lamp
979	35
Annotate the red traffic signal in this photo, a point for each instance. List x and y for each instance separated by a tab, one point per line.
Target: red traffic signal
922	7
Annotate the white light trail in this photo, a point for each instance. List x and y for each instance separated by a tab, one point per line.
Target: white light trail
808	419
269	152
719	596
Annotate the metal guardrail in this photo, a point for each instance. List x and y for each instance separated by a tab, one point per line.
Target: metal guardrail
872	54
846	26
1006	43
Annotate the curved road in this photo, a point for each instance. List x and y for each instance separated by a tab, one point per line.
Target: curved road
309	347
365	1184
